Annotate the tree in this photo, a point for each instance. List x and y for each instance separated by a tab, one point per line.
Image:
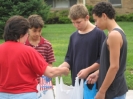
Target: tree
24	8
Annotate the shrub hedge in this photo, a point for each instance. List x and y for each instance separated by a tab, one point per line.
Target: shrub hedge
61	16
24	8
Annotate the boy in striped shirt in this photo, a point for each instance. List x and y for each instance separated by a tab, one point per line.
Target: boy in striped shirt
42	45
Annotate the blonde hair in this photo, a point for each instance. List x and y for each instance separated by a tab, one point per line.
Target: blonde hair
78	11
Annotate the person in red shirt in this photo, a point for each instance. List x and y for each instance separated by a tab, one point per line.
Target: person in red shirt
20	65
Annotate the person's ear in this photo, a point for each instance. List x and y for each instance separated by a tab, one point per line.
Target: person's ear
87	17
104	16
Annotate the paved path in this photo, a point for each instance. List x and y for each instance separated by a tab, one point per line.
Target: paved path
129	94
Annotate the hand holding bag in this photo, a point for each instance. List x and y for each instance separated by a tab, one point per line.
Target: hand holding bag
88	93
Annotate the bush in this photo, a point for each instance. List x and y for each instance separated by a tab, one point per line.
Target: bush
130	17
53	18
126	17
61	16
120	18
24	8
65	20
58	17
89	9
90	12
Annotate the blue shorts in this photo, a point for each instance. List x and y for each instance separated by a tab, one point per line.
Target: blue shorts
121	97
31	95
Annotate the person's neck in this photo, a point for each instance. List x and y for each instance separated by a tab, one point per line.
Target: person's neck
34	42
89	27
111	25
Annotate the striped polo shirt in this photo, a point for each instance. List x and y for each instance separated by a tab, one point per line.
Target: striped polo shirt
44	48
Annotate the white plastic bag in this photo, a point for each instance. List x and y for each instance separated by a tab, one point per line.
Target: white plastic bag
63	91
77	92
45	88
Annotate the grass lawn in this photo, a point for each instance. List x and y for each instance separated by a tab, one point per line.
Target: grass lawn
58	35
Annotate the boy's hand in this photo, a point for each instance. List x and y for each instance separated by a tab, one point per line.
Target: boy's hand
83	73
92	78
65	70
100	95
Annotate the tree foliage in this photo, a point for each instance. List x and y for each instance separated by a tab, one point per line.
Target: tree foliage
24	8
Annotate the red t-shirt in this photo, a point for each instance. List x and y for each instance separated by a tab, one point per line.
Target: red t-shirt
19	67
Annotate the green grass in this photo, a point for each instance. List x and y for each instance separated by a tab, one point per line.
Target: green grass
1	40
58	35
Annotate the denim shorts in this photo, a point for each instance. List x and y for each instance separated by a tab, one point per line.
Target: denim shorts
31	95
121	97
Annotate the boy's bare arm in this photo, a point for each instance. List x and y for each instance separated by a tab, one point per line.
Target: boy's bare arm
85	72
92	78
114	43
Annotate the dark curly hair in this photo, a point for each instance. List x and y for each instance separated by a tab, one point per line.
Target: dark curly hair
104	7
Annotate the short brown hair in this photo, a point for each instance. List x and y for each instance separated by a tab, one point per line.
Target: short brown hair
78	11
36	21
